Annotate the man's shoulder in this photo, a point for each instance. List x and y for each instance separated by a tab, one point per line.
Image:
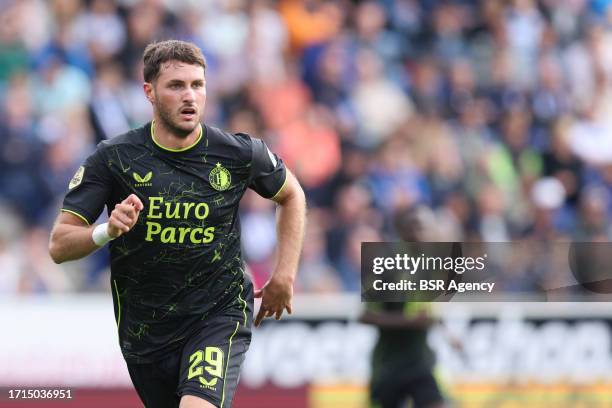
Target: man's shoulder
134	137
236	145
224	138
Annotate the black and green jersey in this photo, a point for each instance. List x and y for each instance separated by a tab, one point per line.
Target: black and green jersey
181	263
402	350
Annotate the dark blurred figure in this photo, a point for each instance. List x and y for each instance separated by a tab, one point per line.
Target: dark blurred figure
21	154
402	361
560	162
593	220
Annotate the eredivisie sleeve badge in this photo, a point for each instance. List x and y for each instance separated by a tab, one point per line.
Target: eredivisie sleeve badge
77	178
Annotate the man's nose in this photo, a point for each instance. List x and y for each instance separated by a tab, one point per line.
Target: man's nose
188	95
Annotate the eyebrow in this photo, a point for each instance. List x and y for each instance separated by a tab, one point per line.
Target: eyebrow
180	81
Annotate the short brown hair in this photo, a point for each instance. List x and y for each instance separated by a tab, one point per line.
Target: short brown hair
159	52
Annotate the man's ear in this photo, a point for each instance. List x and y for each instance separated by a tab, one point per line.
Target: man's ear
148	90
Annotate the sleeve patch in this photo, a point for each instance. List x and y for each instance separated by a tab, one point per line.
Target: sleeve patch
77	178
271	155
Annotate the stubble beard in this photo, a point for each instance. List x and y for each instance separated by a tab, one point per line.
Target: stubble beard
169	123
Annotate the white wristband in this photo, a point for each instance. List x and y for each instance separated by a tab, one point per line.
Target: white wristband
100	234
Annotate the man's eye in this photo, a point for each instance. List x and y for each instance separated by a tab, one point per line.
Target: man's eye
175	86
198	85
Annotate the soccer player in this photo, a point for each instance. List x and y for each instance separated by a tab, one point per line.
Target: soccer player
183	303
402	361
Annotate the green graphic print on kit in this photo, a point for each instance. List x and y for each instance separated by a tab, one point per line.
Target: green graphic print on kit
182	261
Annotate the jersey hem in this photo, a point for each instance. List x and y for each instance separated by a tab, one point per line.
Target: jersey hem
281	188
77	214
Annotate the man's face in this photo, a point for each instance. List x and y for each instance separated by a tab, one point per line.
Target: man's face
178	95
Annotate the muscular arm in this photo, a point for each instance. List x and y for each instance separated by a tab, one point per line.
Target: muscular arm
71	238
290	223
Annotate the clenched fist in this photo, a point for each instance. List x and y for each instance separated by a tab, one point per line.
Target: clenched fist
124	216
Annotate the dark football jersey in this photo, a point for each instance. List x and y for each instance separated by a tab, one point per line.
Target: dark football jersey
402	350
182	262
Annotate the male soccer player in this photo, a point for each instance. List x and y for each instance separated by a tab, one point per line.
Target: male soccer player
402	361
183	303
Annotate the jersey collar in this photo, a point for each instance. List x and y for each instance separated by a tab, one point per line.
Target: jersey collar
175	150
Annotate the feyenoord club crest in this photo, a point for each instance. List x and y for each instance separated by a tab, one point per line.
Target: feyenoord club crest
220	178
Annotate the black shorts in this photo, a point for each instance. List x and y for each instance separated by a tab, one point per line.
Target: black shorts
394	391
208	365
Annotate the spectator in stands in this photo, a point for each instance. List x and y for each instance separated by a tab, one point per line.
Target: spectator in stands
462	106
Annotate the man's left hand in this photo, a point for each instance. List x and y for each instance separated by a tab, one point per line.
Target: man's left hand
275	296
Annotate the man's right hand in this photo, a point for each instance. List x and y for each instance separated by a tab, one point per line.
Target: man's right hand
124	216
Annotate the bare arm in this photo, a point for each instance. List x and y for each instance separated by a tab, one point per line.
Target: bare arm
290	223
71	238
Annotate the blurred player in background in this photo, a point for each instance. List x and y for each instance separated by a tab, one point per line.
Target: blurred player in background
183	302
402	361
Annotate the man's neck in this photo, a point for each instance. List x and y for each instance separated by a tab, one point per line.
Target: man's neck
164	138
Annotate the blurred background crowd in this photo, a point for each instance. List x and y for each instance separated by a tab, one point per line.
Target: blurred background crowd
494	115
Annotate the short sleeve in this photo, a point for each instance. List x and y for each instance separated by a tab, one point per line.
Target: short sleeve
89	189
268	172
